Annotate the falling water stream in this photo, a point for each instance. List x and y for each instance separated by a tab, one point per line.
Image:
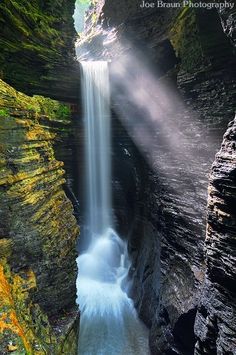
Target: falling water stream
109	324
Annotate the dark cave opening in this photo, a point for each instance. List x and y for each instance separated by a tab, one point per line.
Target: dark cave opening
183	332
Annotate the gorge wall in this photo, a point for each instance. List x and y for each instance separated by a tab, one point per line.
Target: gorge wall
215	323
161	205
38	230
37	48
183	282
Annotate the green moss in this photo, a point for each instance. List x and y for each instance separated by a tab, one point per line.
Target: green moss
4	112
198	44
36	106
32	37
34	211
21	321
184	36
53	109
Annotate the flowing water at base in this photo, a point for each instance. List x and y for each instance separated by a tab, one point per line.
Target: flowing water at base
109	324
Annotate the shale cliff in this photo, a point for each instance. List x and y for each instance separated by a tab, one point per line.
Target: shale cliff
176	273
37	230
37	47
215	325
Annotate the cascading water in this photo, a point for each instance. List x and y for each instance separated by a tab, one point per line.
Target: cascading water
96	94
109	324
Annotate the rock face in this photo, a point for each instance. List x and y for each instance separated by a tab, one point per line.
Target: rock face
215	324
228	17
37	230
37	48
168	188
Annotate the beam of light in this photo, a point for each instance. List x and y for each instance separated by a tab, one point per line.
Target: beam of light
167	132
169	135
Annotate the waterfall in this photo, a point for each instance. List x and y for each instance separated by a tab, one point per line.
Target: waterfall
109	324
96	95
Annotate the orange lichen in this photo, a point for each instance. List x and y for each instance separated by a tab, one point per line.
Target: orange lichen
37	133
15	314
8	319
5	289
35	203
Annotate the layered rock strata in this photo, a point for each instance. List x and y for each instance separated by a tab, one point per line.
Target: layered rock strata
37	230
215	325
166	241
37	47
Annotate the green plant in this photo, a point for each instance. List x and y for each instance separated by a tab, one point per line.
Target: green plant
4	112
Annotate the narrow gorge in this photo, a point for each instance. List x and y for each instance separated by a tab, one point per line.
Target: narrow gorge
117	178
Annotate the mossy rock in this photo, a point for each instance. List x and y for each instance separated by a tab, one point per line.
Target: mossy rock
184	36
39	231
36	44
197	36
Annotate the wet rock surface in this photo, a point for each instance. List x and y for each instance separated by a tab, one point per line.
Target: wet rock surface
38	231
215	322
168	222
228	18
37	48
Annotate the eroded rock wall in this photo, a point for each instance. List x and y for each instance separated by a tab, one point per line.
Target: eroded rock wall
215	325
166	242
37	48
38	231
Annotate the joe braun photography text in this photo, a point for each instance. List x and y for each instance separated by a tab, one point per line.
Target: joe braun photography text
200	4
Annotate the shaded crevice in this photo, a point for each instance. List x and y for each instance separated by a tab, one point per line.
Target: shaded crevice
183	332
